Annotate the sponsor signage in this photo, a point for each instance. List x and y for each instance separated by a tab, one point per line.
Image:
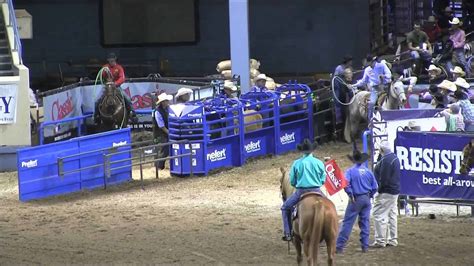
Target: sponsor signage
288	138
430	165
8	103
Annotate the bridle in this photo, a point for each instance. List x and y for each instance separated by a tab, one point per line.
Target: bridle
396	93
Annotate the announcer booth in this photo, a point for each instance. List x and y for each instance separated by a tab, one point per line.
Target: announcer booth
259	123
294	121
211	129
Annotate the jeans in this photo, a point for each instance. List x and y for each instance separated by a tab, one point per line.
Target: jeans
290	203
385	214
360	208
373	100
460	57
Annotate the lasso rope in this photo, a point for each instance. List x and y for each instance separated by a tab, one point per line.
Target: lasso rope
334	91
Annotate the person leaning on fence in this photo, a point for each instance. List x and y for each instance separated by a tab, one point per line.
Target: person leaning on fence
183	95
260	83
307	174
361	187
467	110
160	127
454	118
387	173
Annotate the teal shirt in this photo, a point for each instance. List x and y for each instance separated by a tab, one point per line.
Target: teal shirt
307	172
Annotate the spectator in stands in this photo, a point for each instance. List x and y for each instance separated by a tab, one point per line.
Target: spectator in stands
444	19
462	85
420	47
436	75
260	82
439	101
183	95
432	29
160	127
454	119
447	88
376	76
346	63
361	187
458	37
457	72
467	110
387	173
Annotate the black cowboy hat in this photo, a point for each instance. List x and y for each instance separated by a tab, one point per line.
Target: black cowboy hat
433	89
111	56
358	157
346	59
306	146
460	95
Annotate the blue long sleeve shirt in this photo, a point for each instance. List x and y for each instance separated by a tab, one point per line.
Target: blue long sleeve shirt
360	180
372	75
307	172
387	173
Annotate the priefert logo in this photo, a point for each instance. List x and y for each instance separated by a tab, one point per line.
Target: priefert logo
216	155
287	138
30	163
121	143
252	146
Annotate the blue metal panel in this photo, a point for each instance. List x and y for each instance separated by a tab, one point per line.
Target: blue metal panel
38	171
93	178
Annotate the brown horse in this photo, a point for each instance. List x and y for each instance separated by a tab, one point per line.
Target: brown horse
249	117
316	221
111	109
468	161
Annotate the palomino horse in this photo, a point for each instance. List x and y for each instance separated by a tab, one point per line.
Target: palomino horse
395	99
468	160
111	109
316	221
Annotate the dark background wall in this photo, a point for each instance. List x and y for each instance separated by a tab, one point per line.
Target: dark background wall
295	37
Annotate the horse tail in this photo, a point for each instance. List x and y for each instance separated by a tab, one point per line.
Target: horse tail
317	232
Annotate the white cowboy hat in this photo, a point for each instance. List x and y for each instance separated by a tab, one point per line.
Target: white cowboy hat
434	68
183	91
260	77
462	83
431	19
458	70
230	85
164	97
447	85
455	21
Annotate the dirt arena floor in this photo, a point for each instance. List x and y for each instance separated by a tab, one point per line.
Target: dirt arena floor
231	217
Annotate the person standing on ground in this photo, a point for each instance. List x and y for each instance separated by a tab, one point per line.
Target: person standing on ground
160	127
183	95
387	173
360	189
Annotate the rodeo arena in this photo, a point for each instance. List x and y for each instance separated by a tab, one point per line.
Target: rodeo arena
237	132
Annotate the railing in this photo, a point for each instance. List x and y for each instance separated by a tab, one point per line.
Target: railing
12	23
67	120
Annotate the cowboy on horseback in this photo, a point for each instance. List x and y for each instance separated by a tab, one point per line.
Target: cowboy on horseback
307	174
114	73
377	75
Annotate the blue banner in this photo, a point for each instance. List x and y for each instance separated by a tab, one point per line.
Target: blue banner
430	165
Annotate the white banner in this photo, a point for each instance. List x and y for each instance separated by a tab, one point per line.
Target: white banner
60	106
8	103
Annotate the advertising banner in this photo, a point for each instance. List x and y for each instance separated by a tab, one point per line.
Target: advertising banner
335	179
8	103
430	165
387	123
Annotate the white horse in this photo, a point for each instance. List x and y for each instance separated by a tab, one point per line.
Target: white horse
395	97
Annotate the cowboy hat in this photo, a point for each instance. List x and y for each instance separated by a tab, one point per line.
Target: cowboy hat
460	95
260	77
111	56
183	91
229	85
412	125
306	146
460	82
358	157
434	68
164	97
455	21
431	19
346	59
458	70
447	85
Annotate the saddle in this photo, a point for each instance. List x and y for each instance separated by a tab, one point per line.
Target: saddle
294	213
